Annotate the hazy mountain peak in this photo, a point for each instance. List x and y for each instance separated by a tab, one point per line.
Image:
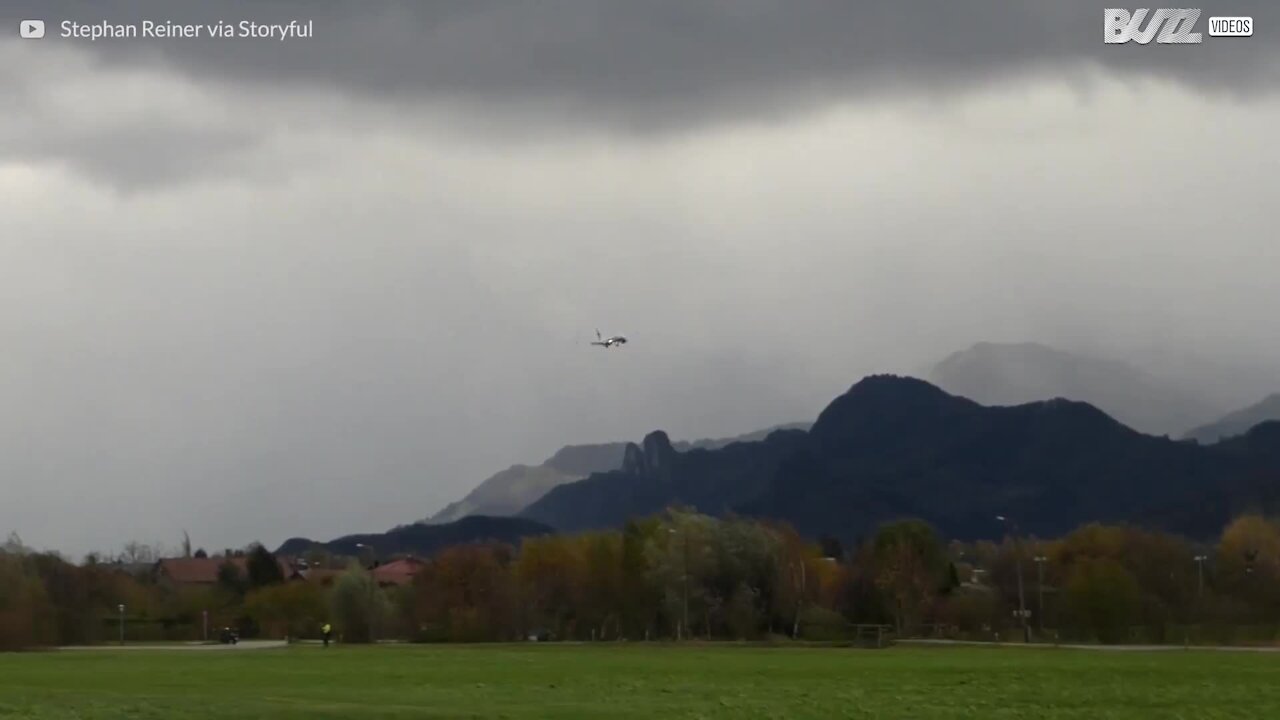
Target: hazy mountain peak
511	490
1017	373
1238	422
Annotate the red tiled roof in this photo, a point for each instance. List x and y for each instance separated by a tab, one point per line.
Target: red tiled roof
398	572
205	570
190	570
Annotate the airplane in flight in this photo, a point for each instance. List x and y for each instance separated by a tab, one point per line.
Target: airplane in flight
608	342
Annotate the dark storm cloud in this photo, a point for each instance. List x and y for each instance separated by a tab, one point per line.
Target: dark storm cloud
665	63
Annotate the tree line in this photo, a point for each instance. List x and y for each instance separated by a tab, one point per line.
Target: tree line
682	575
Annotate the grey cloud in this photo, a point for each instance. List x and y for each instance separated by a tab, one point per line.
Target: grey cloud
138	157
669	63
114	128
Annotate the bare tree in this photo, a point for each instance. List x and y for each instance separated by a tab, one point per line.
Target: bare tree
136	552
14	545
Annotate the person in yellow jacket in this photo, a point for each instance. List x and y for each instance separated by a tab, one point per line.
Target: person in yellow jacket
326	631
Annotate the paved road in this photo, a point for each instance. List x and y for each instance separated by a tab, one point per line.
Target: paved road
242	645
1103	648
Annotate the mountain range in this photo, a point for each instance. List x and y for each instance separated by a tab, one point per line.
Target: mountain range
511	490
893	446
987	442
1016	373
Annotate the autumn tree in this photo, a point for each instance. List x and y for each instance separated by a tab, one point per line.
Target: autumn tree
640	598
1247	565
550	575
25	613
1103	598
909	568
791	587
600	599
467	593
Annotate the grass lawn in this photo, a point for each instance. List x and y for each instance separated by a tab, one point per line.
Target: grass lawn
638	681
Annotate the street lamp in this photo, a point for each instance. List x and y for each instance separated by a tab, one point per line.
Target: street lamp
1022	604
1200	574
684	625
120	607
1040	561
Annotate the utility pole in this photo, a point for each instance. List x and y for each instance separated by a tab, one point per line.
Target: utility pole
1040	561
1200	560
1017	552
686	582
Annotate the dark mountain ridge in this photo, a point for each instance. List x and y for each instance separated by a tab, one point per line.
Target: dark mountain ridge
420	539
893	447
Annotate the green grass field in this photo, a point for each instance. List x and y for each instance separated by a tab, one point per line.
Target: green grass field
638	682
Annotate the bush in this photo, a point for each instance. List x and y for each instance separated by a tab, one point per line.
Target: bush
971	610
290	610
821	624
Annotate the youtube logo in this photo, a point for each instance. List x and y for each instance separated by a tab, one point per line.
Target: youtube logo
31	29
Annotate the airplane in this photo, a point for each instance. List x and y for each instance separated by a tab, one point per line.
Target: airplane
608	342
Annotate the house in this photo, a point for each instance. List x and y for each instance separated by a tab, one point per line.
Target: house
398	572
188	571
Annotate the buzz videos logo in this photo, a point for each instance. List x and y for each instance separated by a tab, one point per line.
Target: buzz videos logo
1168	26
1173	25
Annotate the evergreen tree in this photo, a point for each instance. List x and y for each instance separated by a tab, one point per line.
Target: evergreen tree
263	568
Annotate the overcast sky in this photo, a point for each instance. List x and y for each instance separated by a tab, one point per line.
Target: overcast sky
255	289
